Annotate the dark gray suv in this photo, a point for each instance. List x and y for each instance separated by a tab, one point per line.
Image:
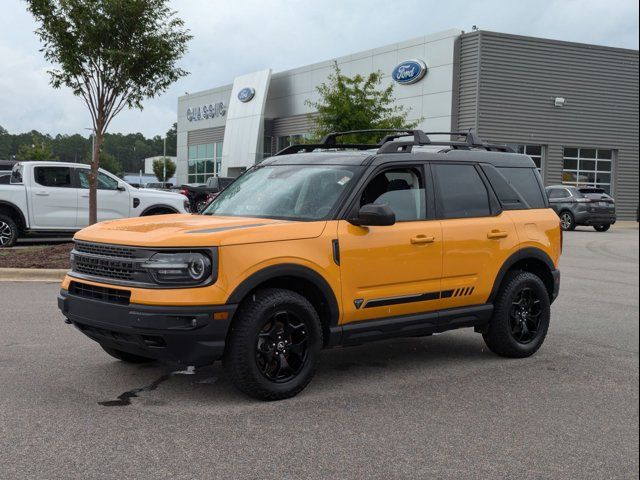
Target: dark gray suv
582	206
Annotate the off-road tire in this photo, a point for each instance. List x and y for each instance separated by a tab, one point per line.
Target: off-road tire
602	228
126	356
567	221
499	336
241	358
8	231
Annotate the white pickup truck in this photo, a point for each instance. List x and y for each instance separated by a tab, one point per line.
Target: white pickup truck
48	197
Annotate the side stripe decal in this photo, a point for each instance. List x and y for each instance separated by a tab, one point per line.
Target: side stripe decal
419	297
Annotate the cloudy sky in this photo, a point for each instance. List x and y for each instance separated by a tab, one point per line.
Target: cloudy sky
233	37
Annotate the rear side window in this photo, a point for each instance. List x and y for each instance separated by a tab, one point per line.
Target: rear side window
53	176
462	191
559	193
525	181
16	174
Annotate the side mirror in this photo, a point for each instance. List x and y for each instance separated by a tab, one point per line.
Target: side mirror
374	216
121	187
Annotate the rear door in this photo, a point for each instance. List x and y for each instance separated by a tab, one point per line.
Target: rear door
394	270
477	236
113	203
54	198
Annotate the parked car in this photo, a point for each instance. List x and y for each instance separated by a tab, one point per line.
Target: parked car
200	195
582	206
46	197
159	186
334	247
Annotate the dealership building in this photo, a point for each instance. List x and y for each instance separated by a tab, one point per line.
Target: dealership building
573	107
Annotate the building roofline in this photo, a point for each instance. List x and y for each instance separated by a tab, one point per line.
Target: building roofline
551	41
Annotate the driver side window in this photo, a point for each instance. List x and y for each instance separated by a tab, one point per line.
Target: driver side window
402	189
105	182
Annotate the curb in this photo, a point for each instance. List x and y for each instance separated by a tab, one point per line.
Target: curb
32	274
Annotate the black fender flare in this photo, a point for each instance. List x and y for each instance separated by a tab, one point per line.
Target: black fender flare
522	254
153	207
290	270
22	224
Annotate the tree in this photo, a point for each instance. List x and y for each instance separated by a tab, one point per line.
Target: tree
112	54
163	169
38	150
109	163
356	104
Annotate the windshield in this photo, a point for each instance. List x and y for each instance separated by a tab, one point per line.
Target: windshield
293	192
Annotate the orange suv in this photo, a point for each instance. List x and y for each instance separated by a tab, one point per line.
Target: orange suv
324	245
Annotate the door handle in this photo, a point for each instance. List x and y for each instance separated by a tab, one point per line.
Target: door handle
497	234
42	194
84	195
418	239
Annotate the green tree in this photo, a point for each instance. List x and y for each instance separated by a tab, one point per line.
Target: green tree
356	103
112	54
110	164
38	150
163	169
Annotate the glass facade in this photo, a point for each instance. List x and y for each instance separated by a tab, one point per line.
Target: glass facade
534	151
205	160
288	140
587	167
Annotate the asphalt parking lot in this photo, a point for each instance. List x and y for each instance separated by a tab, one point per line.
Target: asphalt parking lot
435	407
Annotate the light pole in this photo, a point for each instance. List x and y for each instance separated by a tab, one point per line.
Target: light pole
164	162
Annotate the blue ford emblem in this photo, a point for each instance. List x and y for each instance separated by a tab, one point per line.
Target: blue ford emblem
409	72
246	94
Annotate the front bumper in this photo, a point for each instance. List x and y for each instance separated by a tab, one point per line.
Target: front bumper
182	335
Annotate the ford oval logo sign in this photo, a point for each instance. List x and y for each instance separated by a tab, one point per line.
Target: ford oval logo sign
409	72
246	94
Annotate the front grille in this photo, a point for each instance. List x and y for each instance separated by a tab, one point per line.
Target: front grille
103	294
110	262
105	250
111	270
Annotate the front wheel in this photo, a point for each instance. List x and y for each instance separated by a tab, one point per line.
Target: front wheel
521	316
8	232
273	344
602	228
567	221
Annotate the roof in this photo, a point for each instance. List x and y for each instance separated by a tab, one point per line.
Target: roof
370	157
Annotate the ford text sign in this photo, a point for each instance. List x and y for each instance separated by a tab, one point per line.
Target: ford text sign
246	94
409	72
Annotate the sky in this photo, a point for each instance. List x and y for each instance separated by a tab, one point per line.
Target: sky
233	37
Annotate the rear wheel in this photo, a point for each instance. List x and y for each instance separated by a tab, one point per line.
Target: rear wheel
602	228
567	221
521	316
8	231
126	356
273	345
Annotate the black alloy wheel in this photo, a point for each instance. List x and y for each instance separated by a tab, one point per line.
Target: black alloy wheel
526	311
281	349
602	228
273	344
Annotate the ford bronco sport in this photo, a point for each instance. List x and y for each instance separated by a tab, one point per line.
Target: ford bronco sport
349	243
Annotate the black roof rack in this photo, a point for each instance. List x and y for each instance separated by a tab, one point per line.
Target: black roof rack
471	140
390	143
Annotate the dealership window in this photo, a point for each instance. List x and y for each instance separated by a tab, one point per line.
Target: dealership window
534	151
205	161
266	148
587	167
288	140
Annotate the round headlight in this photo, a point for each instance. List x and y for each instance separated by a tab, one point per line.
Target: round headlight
197	268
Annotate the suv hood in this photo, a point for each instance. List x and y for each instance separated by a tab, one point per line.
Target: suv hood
197	231
152	193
